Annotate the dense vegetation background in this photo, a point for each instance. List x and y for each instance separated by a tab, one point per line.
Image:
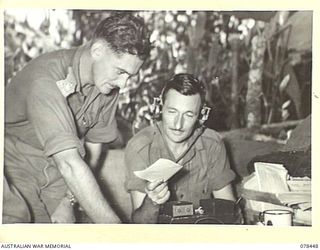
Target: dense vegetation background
256	65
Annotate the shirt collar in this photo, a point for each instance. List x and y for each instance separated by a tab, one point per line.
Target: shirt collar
76	68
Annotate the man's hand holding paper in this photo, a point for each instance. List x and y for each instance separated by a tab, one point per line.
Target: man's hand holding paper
157	176
158	191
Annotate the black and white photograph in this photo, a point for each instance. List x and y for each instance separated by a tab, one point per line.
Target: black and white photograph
157	117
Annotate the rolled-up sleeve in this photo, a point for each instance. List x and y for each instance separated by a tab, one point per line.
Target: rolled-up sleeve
49	113
220	174
134	162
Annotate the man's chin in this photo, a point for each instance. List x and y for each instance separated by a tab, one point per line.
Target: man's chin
106	91
177	139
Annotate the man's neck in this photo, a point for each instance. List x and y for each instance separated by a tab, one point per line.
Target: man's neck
177	149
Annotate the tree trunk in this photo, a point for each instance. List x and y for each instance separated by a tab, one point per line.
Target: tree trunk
195	37
253	100
234	42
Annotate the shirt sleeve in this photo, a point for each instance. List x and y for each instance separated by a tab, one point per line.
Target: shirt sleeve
220	173
105	130
134	162
52	118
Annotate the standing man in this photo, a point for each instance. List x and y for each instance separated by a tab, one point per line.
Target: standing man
179	137
59	110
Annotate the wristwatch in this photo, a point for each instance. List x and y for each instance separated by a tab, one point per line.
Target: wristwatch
72	199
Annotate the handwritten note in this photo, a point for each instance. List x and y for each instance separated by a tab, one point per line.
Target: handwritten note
162	169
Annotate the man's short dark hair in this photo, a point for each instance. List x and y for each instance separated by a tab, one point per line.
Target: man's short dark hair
185	84
125	33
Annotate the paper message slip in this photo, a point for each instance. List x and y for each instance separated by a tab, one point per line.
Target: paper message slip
162	169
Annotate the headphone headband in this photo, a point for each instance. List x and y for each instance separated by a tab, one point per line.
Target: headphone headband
185	84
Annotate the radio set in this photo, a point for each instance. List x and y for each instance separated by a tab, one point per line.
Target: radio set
211	211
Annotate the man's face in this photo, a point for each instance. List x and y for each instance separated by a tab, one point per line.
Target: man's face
111	70
179	115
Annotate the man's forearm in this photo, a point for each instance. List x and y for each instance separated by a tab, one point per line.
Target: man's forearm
84	187
93	155
225	193
147	213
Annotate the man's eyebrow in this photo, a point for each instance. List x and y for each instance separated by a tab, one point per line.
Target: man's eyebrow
121	69
188	111
169	107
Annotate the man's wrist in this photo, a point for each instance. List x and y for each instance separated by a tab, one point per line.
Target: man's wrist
147	213
149	202
71	198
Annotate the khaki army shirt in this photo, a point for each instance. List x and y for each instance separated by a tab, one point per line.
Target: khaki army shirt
49	108
205	167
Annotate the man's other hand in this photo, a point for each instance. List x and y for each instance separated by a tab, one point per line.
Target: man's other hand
64	213
158	191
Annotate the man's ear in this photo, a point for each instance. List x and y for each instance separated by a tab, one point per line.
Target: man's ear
97	49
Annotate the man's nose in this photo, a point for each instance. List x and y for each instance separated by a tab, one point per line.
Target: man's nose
122	82
178	124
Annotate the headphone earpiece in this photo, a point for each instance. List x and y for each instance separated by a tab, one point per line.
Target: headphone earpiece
156	107
204	114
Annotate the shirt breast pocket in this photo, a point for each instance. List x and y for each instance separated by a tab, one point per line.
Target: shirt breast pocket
85	123
200	180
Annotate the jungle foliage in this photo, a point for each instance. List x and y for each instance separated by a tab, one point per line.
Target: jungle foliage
214	46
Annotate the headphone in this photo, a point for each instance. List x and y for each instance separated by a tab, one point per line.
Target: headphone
156	110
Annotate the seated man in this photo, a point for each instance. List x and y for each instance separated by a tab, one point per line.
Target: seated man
180	137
